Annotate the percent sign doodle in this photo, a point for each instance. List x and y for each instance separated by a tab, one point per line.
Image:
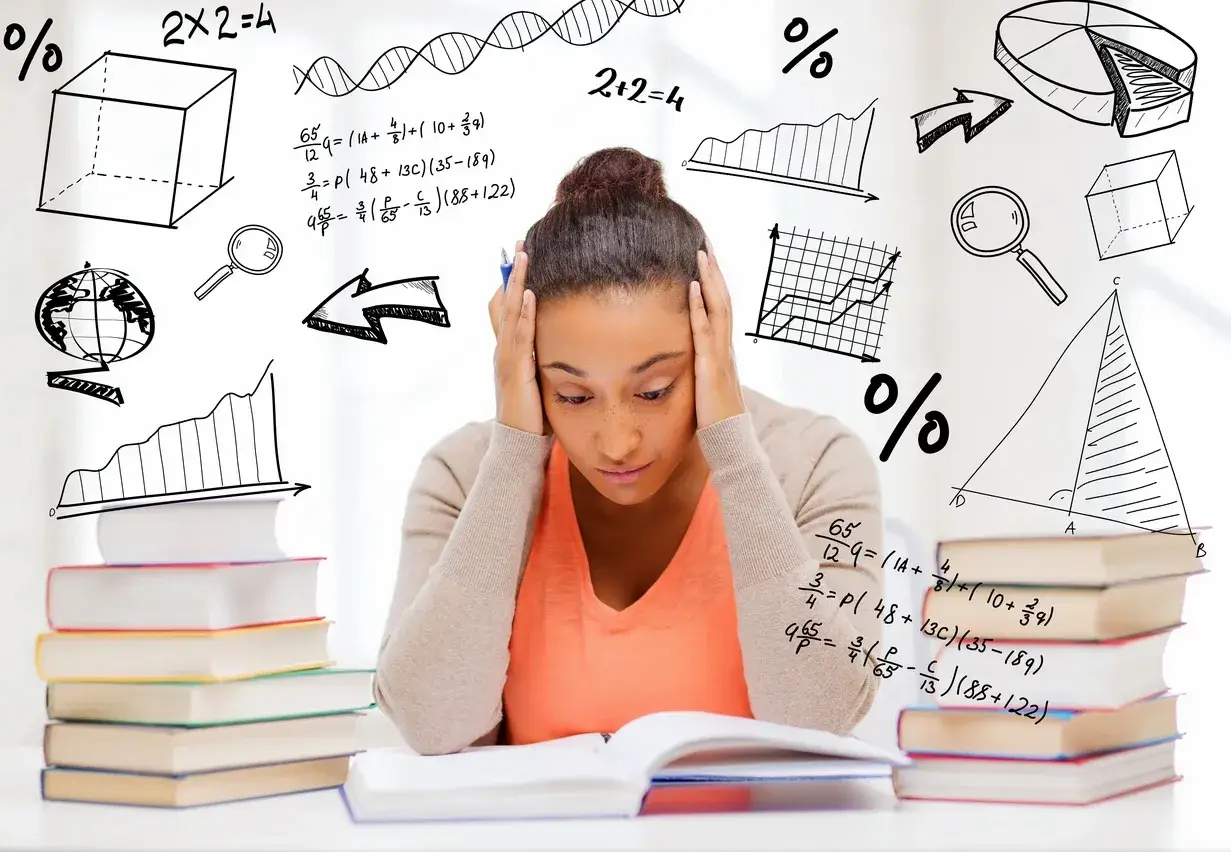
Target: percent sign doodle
797	31
937	425
15	37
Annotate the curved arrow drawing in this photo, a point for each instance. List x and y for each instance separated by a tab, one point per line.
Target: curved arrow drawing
972	111
356	308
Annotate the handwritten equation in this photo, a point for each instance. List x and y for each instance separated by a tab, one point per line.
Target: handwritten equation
175	20
315	141
453	178
426	202
995	598
885	665
635	89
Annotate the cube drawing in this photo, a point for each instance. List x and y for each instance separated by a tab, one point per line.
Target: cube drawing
1137	205
139	140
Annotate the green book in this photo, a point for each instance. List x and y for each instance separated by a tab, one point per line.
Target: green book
287	695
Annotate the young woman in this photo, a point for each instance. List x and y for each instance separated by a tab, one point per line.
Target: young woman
635	531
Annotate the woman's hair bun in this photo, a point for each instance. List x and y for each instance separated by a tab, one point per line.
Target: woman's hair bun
614	172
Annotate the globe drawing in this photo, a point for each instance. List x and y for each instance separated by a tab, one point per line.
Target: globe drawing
95	315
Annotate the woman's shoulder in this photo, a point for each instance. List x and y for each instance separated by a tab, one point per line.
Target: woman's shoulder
798	440
457	455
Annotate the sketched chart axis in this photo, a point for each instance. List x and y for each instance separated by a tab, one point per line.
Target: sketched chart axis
1136	205
1099	64
826	293
584	23
1106	460
230	452
155	140
357	307
827	156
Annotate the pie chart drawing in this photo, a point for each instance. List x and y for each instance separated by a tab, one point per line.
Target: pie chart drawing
1099	64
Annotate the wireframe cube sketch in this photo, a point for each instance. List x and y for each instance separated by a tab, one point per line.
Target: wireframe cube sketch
138	140
1137	205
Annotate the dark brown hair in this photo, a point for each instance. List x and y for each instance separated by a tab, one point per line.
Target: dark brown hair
612	226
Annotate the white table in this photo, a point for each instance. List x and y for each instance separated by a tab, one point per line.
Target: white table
864	815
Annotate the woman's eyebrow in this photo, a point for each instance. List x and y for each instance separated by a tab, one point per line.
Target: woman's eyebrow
640	368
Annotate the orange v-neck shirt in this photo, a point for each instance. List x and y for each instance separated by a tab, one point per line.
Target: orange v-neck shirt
578	666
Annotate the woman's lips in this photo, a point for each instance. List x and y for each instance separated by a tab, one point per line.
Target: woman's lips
625	477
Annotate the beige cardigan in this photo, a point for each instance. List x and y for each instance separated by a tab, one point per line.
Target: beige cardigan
783	476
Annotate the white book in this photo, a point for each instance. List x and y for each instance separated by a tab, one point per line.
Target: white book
237	530
196	596
591	776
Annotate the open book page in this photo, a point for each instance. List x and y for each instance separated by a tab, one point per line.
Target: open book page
658	739
493	767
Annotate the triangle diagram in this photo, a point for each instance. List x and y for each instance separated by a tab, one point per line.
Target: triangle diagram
1089	442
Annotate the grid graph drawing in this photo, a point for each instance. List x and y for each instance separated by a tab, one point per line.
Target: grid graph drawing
137	139
231	452
826	292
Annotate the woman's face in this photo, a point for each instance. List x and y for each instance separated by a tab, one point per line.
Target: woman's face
616	374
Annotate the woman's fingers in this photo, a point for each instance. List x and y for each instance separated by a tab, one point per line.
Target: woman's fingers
717	296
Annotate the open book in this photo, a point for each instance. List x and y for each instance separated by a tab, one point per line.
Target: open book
592	776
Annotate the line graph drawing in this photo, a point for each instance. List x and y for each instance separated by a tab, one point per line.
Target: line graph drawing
1104	460
826	293
230	452
581	25
827	156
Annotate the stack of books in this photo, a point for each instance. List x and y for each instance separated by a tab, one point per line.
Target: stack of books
192	666
1047	671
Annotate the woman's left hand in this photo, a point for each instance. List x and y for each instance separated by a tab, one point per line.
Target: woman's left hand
717	391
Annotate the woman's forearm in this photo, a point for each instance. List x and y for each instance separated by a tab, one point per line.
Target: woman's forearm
775	555
442	664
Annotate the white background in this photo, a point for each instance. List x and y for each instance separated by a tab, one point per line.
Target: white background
355	418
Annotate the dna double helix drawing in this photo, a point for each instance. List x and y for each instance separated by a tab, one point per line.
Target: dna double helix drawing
583	24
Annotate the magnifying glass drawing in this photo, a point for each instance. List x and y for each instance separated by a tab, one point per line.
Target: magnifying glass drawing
991	221
252	249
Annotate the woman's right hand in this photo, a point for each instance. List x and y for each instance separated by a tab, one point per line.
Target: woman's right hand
512	311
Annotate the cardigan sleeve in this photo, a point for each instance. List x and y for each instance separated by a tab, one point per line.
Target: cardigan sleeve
800	571
442	661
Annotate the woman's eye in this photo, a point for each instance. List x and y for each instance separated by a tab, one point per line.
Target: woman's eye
653	396
570	400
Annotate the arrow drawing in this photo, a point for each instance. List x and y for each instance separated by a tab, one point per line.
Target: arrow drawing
972	111
356	308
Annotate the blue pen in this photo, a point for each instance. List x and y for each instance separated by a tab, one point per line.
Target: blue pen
506	268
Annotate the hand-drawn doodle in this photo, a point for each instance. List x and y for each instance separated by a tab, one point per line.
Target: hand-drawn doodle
826	156
15	37
1099	64
94	315
636	87
581	25
935	422
1123	472
1137	204
972	111
157	143
230	452
175	20
795	32
991	221
825	293
356	308
253	249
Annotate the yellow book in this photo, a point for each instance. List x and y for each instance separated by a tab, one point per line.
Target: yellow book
182	656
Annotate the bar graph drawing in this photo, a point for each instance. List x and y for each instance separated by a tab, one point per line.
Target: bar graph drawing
826	156
826	293
230	452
